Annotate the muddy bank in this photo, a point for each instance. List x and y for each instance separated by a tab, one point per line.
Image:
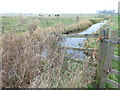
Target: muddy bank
76	30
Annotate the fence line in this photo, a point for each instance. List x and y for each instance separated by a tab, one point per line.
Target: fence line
114	72
115	84
102	53
106	54
116	58
106	68
106	65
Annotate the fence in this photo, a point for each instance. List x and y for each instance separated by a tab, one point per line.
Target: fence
108	39
106	55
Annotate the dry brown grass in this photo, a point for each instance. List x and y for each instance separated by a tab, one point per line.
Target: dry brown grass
22	57
24	66
79	26
0	62
61	28
33	26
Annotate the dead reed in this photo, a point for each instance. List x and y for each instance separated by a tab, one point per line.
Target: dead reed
25	65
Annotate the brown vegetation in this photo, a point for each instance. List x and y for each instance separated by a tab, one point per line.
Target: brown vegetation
23	63
79	26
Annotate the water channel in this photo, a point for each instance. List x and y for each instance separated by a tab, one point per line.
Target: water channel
79	42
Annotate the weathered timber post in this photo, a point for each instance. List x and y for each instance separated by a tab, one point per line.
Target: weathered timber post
102	53
2	30
108	58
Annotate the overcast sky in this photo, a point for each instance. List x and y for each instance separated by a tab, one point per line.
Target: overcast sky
56	6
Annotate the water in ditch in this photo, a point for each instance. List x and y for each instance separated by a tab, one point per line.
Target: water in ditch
79	42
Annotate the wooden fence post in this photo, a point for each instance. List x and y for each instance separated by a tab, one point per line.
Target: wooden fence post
108	60
2	30
102	53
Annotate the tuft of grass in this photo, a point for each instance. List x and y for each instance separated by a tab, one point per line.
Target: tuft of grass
108	85
96	20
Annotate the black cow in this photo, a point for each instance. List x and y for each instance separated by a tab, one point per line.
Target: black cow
40	15
57	15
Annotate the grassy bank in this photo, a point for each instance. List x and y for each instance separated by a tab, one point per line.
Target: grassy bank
114	22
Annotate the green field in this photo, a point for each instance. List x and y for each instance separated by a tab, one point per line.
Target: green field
17	22
21	23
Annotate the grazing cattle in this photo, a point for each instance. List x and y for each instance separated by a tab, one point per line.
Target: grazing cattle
40	15
57	15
